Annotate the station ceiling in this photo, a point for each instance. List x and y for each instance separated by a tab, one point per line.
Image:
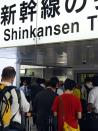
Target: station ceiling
65	54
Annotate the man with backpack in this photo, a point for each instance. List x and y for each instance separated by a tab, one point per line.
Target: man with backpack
24	106
8	98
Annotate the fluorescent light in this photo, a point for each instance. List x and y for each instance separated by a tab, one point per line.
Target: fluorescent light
30	66
62	59
22	71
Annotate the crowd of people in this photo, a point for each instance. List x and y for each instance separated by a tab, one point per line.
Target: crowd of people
78	103
53	104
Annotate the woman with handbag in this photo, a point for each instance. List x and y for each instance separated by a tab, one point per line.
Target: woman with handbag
67	108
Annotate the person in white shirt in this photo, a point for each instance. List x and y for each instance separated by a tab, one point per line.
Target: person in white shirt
86	87
25	106
93	96
24	87
93	104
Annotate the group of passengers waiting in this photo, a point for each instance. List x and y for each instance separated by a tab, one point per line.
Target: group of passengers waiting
55	102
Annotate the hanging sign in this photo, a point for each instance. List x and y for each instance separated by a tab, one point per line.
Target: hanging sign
30	22
17	22
67	20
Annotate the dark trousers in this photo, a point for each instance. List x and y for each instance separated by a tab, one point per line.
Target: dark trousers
42	129
46	128
15	126
4	129
47	125
89	122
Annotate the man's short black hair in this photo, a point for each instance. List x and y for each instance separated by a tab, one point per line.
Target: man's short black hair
40	80
53	82
87	79
8	72
69	84
95	80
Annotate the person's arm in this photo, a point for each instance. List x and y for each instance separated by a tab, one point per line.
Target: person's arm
83	93
91	99
54	110
55	114
79	109
15	105
79	115
24	103
55	121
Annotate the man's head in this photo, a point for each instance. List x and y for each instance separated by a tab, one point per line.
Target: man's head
88	82
40	81
25	83
8	74
54	81
69	84
95	80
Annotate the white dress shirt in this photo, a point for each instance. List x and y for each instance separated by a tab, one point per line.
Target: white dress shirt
93	98
24	105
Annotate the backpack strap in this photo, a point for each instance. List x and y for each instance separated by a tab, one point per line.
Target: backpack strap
19	102
19	98
6	108
3	98
1	106
8	89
